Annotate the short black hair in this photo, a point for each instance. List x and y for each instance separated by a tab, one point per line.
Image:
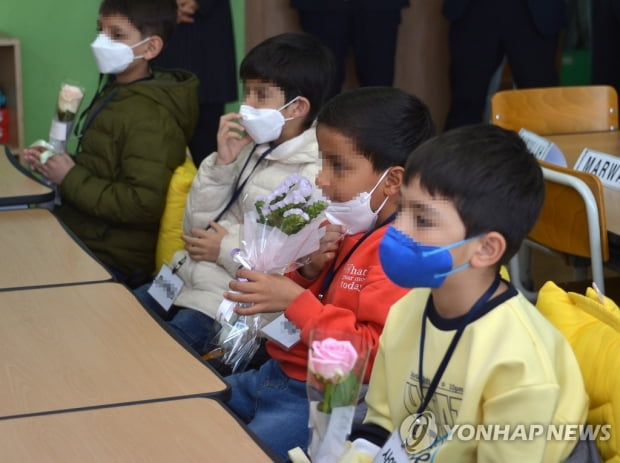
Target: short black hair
150	17
385	123
296	62
496	184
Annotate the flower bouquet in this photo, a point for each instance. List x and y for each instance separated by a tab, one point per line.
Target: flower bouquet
67	106
336	367
278	234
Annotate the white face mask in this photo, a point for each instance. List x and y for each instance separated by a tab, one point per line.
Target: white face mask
264	124
356	215
113	57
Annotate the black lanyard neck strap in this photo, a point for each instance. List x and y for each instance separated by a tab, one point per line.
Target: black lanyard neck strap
426	398
238	188
333	269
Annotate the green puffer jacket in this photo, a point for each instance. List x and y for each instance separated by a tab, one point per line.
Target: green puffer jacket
114	196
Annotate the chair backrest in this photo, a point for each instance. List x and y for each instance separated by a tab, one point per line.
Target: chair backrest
557	110
572	219
171	223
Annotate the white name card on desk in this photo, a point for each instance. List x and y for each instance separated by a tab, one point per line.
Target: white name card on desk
543	149
604	166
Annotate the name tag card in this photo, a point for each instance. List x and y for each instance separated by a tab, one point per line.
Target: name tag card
282	331
603	165
543	149
165	287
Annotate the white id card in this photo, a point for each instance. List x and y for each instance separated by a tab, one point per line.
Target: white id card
392	451
282	331
165	287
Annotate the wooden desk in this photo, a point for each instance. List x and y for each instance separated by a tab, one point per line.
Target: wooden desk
186	430
607	142
16	186
36	250
87	345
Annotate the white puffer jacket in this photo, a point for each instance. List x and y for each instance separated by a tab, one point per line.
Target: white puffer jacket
205	282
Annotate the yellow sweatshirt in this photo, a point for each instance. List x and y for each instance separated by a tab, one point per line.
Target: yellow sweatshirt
511	375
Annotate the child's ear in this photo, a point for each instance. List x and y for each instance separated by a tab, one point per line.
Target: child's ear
300	108
393	181
153	47
490	251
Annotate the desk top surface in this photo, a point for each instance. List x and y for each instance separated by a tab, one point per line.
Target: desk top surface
17	188
607	142
36	250
187	430
88	345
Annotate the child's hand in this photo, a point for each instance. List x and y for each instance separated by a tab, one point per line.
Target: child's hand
31	155
54	169
230	139
325	254
204	245
186	10
267	293
57	167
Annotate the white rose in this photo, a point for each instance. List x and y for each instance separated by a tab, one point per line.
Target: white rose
69	98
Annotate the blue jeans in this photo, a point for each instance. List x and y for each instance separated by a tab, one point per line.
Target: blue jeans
274	406
195	328
141	292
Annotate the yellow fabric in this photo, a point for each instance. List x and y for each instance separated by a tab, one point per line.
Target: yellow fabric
593	330
171	224
503	271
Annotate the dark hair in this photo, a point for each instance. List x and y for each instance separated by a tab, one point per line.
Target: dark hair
296	62
496	184
150	17
386	124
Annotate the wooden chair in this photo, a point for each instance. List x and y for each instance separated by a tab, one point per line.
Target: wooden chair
557	110
571	222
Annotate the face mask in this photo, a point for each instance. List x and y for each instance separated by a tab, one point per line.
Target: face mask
113	57
413	265
356	215
264	124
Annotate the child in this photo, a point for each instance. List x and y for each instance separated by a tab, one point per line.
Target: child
364	138
286	78
134	135
471	350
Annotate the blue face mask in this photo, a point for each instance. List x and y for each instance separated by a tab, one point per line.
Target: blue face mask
410	264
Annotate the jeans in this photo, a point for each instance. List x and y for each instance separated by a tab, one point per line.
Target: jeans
141	292
274	406
195	328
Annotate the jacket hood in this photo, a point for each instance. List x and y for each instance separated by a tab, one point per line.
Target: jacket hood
176	90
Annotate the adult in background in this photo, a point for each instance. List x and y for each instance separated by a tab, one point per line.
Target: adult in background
482	32
369	26
606	43
204	44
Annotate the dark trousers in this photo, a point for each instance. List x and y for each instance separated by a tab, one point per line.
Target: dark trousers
488	31
371	34
204	140
606	43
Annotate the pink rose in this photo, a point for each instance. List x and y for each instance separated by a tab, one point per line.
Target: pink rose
331	359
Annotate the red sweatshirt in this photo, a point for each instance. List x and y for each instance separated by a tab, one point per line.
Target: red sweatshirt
357	301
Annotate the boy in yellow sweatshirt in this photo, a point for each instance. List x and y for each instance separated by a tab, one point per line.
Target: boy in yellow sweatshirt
467	369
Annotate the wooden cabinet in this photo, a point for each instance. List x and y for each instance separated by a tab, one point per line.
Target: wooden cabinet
11	86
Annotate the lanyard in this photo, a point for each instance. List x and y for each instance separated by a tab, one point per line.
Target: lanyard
82	126
239	188
333	269
426	398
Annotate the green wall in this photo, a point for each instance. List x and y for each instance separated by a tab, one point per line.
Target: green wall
55	39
